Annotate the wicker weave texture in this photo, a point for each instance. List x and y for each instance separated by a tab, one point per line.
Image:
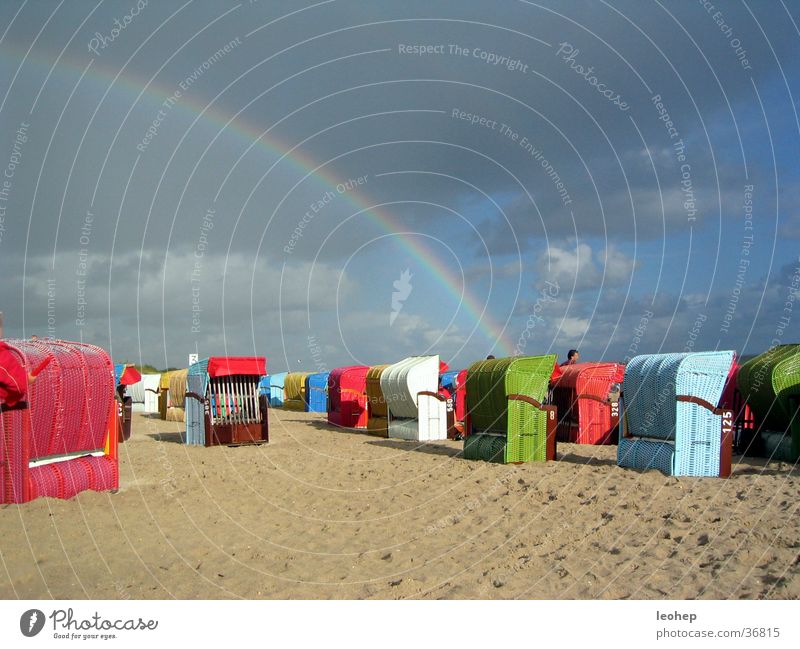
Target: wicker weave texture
177	388
770	384
652	387
581	395
485	446
294	391
375	396
70	413
522	426
490	382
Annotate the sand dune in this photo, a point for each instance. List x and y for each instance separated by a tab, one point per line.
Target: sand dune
321	513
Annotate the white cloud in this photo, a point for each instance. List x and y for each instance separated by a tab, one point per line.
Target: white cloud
573	328
582	268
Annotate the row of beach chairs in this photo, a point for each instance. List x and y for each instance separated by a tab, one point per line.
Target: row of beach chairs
683	414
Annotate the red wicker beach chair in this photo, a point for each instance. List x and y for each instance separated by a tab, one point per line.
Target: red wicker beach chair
63	438
347	392
587	396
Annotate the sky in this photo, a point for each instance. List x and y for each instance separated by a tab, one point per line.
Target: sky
335	182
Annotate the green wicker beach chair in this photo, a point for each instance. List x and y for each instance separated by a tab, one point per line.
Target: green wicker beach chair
770	384
506	419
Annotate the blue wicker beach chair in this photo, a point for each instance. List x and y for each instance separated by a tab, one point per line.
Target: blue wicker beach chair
263	386
672	421
196	383
317	392
276	389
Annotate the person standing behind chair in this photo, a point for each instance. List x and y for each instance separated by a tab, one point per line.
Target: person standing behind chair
572	357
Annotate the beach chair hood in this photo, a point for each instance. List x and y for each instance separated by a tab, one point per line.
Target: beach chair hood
65	439
403	381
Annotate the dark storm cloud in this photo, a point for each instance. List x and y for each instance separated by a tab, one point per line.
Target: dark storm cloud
500	142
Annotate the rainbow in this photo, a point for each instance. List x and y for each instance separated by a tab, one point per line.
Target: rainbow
156	93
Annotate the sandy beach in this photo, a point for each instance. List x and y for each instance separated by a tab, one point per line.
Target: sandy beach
326	513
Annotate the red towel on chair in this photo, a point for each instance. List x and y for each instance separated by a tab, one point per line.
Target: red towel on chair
557	373
13	378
